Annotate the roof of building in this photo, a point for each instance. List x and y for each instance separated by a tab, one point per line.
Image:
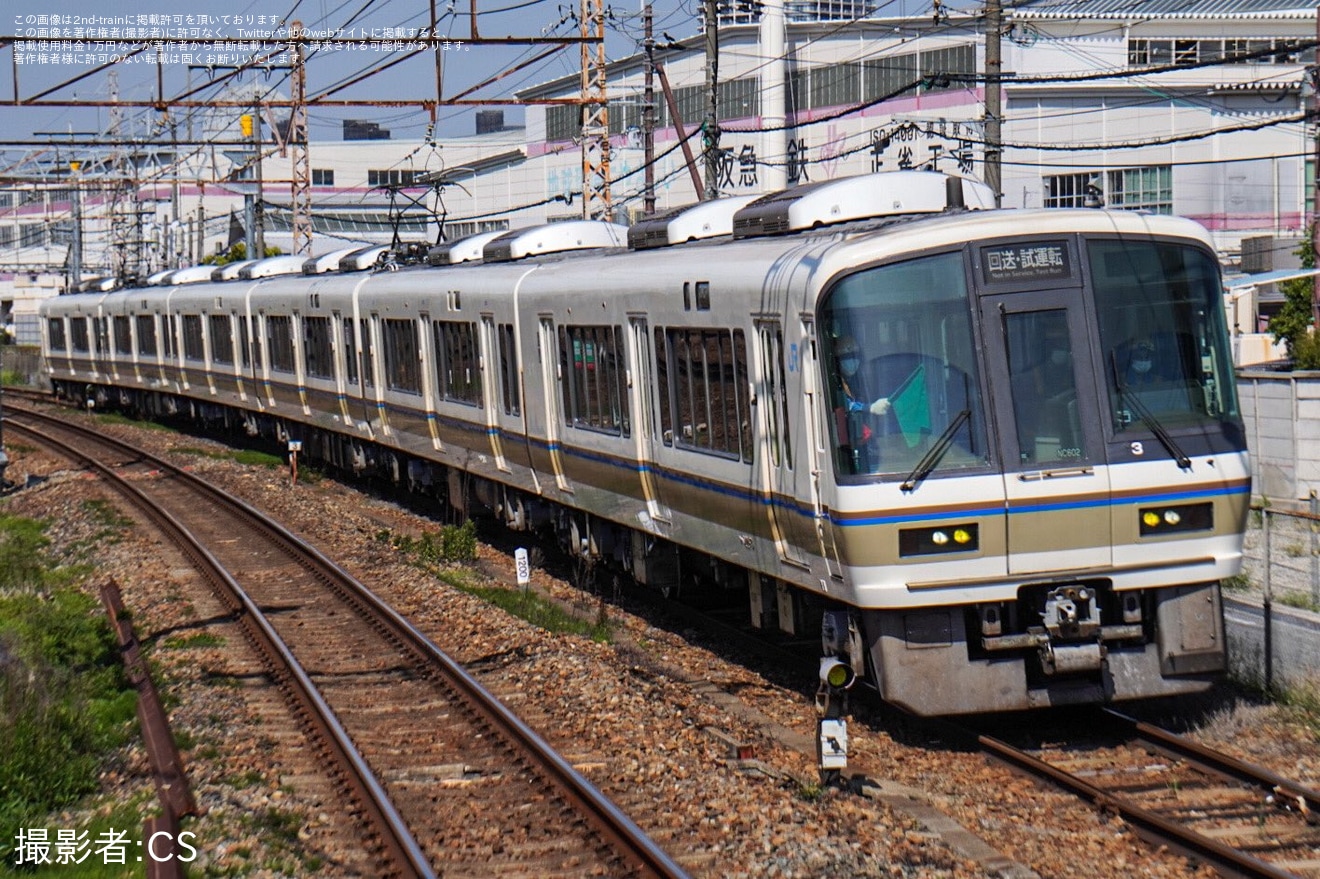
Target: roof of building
1148	9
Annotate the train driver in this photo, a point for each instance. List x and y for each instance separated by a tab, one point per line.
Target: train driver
852	403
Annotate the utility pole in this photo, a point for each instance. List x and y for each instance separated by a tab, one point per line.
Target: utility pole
75	245
297	140
648	111
1315	194
774	87
994	66
595	114
710	128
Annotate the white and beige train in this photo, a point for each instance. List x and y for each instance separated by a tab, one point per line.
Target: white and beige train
994	455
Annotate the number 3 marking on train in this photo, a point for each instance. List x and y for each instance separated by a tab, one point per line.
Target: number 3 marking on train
1137	449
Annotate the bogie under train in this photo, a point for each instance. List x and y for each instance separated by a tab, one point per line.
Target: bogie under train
997	453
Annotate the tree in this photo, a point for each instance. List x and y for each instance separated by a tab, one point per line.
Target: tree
1292	325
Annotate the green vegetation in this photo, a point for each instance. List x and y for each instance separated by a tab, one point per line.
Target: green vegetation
117	418
1303	705
64	701
258	459
1236	583
1292	324
1301	600
458	543
197	639
455	543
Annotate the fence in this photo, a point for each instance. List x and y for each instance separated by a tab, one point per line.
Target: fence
20	364
1274	632
1282	555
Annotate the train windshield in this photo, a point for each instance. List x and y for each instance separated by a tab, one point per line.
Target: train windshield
900	363
1162	334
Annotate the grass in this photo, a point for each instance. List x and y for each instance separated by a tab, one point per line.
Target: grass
116	418
439	555
258	459
113	524
1303	705
1300	600
197	639
1236	583
65	705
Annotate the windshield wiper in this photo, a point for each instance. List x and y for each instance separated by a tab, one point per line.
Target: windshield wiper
1148	417
936	452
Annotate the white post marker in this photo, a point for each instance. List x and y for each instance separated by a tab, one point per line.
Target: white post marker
524	569
295	446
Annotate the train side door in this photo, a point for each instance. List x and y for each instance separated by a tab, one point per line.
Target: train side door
793	534
1049	421
641	385
552	380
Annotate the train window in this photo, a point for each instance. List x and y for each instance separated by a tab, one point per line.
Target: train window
458	367
900	363
279	342
403	370
704	404
350	351
317	350
510	392
55	326
1163	334
591	361
222	339
123	335
78	328
1044	388
779	439
146	334
192	337
368	353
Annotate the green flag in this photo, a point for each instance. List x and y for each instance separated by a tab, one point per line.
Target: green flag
911	407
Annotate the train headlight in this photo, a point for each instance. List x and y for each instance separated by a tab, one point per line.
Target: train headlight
836	673
929	541
1177	519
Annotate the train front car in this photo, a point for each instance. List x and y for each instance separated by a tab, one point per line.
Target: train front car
1040	469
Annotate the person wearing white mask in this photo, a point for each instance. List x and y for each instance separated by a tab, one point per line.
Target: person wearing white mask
852	404
1141	372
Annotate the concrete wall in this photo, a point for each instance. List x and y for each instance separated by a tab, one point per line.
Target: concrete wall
1282	415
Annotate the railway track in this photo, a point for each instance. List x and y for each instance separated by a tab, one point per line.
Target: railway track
1241	819
436	774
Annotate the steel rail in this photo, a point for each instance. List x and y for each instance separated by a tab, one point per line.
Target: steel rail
1226	765
1150	825
397	841
614	826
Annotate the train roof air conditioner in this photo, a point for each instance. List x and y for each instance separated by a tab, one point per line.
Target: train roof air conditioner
189	275
707	219
887	194
463	250
555	238
362	258
229	271
328	262
272	266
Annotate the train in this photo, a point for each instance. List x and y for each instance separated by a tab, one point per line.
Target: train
992	458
